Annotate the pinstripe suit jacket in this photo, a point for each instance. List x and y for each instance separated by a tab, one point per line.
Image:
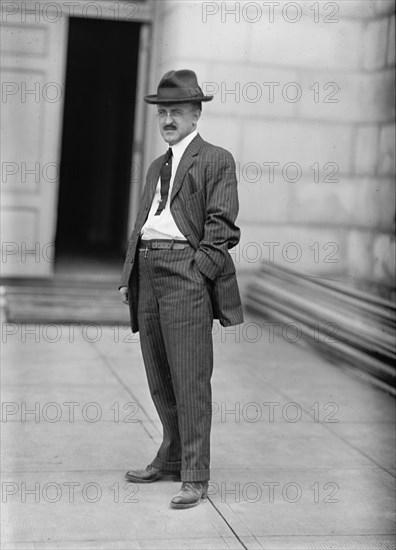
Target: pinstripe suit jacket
204	205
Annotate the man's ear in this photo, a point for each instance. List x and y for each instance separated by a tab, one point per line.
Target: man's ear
196	115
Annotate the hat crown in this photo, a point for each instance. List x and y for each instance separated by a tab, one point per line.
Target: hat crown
177	87
180	79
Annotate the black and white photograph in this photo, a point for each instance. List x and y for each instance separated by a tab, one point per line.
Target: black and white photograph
197	293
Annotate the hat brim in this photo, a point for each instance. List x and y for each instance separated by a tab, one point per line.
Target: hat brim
153	99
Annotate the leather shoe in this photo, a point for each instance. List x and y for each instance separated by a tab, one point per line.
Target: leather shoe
150	474
190	494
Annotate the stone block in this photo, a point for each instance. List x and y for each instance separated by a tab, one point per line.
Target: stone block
305	249
190	29
384	6
359	254
357	9
251	90
384	259
220	129
348	96
325	96
332	204
285	142
361	202
374	44
263	201
22	251
386	164
366	151
307	44
376	96
375	203
391	56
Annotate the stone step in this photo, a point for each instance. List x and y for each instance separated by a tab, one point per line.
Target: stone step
353	326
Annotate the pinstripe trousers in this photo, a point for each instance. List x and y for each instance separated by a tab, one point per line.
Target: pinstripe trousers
175	324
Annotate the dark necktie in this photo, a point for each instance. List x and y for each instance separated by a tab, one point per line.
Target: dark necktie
165	175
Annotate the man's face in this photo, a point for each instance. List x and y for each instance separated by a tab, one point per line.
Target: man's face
176	121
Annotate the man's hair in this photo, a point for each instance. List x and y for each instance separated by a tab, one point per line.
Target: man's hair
196	105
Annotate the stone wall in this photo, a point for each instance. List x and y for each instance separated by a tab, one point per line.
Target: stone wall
304	99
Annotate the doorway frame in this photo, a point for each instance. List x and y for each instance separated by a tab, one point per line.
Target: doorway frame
143	13
30	218
139	151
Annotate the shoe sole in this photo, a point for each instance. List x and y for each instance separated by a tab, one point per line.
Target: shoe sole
161	478
179	506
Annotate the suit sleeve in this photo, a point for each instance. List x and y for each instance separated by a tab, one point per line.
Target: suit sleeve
220	231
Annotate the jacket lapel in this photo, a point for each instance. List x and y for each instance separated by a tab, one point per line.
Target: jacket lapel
185	162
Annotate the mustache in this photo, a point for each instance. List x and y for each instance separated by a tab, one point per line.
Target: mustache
169	127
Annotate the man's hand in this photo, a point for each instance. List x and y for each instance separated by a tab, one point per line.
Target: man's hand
124	295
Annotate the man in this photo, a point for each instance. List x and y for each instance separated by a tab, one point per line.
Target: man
178	275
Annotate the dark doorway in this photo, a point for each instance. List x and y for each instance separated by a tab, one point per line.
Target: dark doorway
97	138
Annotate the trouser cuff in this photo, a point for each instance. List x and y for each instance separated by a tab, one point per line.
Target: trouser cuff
163	465
195	475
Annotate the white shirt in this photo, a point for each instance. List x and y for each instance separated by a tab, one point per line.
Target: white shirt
163	226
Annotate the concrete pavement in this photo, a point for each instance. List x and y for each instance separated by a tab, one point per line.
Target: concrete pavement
302	452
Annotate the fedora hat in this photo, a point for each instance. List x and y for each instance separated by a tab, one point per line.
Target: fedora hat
178	87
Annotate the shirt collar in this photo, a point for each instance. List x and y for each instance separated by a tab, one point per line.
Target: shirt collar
179	148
